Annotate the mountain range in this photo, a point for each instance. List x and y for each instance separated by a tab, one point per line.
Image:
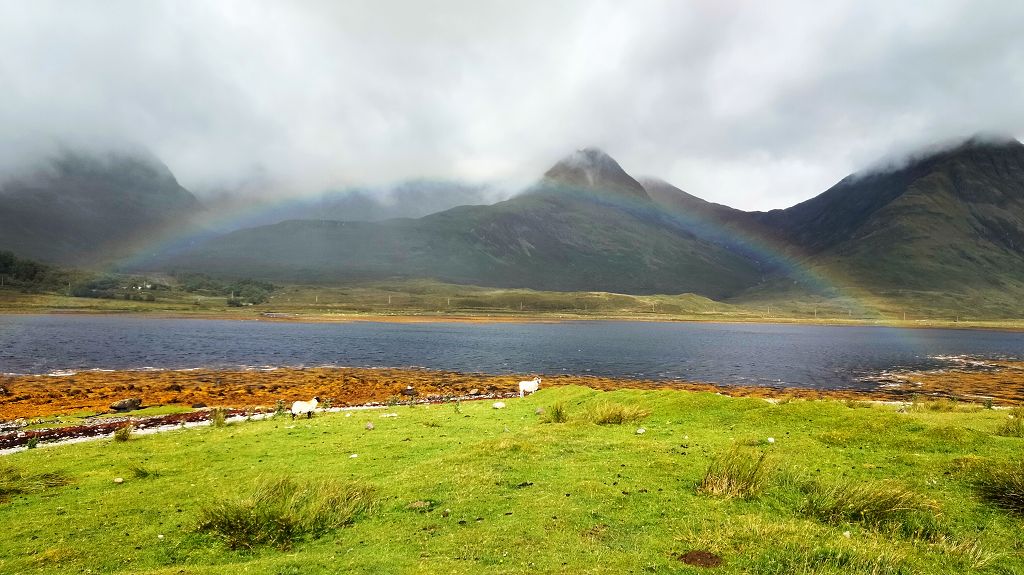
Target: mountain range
949	222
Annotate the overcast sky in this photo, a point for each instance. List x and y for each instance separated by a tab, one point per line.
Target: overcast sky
753	104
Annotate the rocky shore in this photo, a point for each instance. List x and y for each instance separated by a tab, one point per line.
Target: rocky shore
31	399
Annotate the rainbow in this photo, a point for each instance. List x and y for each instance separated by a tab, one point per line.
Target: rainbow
774	254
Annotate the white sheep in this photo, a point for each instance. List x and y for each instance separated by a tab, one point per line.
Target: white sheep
528	386
307	407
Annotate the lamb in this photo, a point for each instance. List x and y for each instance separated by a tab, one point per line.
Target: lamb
528	386
307	407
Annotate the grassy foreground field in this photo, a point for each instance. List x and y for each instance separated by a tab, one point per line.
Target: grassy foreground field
464	488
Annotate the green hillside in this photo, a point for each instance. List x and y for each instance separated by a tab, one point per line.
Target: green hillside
576	230
942	234
948	227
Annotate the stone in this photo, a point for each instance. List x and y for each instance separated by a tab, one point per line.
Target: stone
498	405
129	404
409	390
369	426
119	480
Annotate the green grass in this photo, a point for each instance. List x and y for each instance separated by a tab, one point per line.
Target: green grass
503	491
15	481
283	511
1002	484
616	414
556	413
1014	424
735	473
881	505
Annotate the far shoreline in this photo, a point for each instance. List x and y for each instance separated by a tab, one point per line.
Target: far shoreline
426	318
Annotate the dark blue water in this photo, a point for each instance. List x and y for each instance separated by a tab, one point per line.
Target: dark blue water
765	354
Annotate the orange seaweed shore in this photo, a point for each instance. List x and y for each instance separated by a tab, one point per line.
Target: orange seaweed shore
33	396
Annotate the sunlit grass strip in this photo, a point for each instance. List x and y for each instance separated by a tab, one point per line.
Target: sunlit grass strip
282	511
736	473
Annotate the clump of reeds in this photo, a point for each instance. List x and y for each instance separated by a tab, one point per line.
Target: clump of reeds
736	473
1014	424
282	511
124	433
218	417
616	414
14	481
877	505
556	413
790	558
945	405
1001	484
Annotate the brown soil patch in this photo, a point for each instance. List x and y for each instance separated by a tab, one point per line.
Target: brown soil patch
701	559
31	396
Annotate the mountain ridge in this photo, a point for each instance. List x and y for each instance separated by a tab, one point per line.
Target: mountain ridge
82	209
947	222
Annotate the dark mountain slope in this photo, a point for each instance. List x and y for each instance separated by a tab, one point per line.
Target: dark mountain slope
83	210
950	222
586	226
979	171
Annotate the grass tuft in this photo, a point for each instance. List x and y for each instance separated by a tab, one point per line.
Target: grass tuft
946	405
124	433
143	472
883	506
970	553
282	511
556	413
218	417
13	482
1014	425
616	414
1001	484
736	473
793	559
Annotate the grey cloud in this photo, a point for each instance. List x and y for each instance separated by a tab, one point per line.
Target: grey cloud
752	104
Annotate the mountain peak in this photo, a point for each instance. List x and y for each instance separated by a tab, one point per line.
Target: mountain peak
973	148
592	169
